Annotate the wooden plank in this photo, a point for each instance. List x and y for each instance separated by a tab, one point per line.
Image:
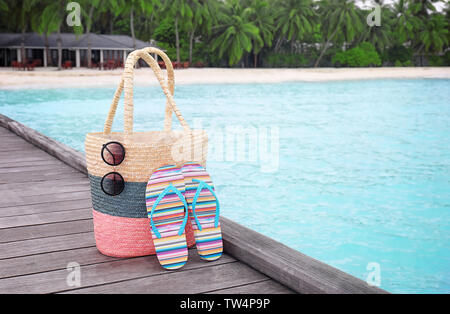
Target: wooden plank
288	266
4	119
109	272
43	168
11	139
199	280
23	148
268	286
45	218
46	245
65	205
19	156
7	136
45	231
15	164
64	153
8	142
36	176
40	263
14	199
13	136
7	158
4	131
44	188
10	145
44	185
44	174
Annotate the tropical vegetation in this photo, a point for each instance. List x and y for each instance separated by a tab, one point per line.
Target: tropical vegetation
257	33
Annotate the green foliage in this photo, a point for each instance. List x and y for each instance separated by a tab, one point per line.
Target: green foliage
171	51
277	60
405	22
435	33
381	37
436	61
295	19
259	32
341	22
364	55
236	34
398	63
165	32
261	15
399	53
407	63
446	56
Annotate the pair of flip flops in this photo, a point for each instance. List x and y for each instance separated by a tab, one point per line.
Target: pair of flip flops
176	196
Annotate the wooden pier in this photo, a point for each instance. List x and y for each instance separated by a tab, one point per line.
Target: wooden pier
46	224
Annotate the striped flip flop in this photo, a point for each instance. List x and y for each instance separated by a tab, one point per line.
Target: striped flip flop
167	210
203	211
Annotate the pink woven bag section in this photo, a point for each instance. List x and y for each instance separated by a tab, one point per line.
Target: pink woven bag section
127	237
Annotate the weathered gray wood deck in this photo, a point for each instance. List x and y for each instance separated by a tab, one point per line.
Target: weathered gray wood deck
46	223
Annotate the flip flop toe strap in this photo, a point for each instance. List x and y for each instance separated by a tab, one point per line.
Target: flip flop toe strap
169	188
203	184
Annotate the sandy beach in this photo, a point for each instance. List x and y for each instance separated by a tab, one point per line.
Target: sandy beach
52	78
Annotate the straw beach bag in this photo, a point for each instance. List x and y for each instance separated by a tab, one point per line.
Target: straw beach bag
121	225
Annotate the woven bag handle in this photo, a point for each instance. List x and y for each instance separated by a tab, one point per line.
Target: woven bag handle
170	81
127	77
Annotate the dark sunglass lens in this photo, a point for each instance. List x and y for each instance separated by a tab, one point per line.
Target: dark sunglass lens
113	184
113	153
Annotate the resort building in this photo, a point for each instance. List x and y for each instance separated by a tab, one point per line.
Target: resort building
74	48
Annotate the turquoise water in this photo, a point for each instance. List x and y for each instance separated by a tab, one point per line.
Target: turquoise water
363	171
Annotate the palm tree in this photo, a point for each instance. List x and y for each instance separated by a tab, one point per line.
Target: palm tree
51	19
338	16
203	17
405	22
20	11
132	7
434	35
380	36
236	32
422	10
259	12
94	7
181	11
423	7
38	26
447	10
295	19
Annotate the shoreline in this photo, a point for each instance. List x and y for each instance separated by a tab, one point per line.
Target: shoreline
79	78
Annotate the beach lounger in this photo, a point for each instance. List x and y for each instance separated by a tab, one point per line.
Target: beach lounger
67	64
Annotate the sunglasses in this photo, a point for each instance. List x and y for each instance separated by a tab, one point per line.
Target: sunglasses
113	153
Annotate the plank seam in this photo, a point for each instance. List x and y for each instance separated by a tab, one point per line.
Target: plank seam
113	259
55	251
82	189
46	202
56	269
44	237
149	276
40	213
44	223
236	286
